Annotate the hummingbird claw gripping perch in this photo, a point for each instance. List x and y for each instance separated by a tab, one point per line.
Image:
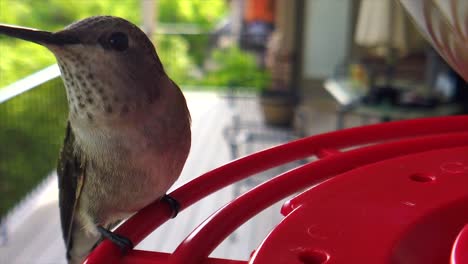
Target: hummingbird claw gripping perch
122	242
173	203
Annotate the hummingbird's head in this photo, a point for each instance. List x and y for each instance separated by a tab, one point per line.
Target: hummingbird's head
109	66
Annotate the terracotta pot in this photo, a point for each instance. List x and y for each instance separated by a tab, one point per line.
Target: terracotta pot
278	108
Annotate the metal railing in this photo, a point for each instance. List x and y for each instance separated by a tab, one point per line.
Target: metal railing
29	82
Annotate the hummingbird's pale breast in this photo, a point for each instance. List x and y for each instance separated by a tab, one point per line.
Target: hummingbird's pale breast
131	138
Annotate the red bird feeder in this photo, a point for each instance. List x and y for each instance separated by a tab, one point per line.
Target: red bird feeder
400	195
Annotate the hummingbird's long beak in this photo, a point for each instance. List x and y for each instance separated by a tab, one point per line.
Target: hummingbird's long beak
40	37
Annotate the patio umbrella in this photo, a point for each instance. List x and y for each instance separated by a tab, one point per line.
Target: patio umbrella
382	27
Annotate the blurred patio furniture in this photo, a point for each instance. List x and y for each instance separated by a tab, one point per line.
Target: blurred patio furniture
351	100
394	76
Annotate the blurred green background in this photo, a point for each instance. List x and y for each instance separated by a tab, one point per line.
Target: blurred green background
32	124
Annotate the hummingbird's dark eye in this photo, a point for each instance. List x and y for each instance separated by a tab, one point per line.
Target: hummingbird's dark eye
118	41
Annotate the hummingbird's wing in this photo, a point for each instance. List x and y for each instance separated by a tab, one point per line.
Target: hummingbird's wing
71	175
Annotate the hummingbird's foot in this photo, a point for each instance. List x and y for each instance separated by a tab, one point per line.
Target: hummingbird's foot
122	242
173	203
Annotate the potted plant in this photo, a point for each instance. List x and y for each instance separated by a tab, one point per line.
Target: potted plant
278	99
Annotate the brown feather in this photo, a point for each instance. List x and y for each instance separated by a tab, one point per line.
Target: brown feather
71	175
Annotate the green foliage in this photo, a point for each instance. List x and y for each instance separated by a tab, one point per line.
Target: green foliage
179	53
233	67
203	13
18	58
32	127
55	14
198	47
173	50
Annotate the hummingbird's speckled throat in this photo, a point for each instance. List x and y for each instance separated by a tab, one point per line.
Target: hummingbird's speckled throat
93	98
88	96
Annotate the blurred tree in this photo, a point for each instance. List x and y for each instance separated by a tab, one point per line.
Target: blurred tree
173	50
203	13
55	14
49	15
234	67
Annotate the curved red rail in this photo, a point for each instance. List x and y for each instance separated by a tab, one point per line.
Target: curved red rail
460	247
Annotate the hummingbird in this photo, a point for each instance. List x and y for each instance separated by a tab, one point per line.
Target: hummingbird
128	130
